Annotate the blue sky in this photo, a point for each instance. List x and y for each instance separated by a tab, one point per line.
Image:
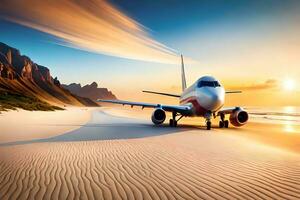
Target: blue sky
218	34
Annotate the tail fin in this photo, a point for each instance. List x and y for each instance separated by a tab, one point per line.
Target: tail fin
183	81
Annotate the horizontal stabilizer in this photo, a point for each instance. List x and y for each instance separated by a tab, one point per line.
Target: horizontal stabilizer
233	91
161	93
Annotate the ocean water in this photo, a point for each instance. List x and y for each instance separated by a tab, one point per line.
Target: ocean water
284	115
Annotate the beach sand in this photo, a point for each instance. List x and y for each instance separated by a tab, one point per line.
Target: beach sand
21	124
120	155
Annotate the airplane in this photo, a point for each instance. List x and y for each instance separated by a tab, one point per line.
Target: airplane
205	98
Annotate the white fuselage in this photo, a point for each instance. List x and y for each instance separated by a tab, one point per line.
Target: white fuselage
206	95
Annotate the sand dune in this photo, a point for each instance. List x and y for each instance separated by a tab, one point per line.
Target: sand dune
188	163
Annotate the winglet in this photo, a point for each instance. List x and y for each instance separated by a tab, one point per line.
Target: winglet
183	80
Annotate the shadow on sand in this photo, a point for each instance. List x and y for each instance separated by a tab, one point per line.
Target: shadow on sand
104	126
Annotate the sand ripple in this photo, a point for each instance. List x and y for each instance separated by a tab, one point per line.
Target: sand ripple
180	166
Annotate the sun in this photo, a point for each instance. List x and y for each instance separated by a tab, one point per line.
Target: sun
289	84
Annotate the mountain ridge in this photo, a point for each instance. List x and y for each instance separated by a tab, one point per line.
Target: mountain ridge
89	91
20	75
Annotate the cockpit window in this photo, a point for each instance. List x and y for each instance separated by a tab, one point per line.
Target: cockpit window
209	84
217	84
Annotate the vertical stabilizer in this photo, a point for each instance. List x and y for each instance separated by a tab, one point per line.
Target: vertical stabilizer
183	81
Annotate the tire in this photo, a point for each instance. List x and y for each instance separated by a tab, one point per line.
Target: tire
175	123
221	124
208	125
226	123
171	122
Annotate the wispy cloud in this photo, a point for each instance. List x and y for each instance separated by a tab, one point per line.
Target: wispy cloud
268	84
93	25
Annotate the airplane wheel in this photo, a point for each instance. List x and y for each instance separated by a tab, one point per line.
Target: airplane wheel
226	123
208	125
172	123
221	124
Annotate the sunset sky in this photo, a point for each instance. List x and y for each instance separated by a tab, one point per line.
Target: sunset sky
128	46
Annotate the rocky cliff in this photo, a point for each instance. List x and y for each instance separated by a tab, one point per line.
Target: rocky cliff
20	75
14	65
90	91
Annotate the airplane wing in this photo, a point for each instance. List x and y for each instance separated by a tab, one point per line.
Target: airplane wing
227	110
170	108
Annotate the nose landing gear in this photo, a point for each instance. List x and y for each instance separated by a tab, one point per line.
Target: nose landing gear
208	125
208	116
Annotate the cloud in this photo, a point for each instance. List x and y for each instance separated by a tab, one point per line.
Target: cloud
94	25
268	84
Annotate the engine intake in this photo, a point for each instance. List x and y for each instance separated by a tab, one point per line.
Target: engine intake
158	116
239	117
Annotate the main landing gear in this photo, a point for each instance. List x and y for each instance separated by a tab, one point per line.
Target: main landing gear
173	121
223	123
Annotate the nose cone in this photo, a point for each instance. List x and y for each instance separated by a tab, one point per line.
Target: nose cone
214	100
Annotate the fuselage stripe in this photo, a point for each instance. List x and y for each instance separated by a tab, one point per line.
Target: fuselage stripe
199	110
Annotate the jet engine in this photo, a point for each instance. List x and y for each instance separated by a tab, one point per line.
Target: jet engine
158	116
238	117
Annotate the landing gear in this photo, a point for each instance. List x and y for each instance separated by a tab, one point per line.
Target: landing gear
208	116
226	123
208	125
223	123
173	121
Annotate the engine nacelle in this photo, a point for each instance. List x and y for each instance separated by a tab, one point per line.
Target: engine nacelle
239	117
158	116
